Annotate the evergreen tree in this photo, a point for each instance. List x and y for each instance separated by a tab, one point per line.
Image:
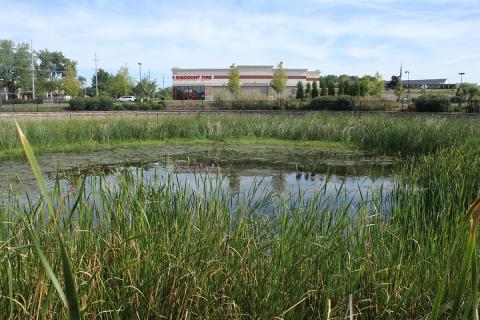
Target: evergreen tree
300	94
341	88
314	89
323	84
308	91
331	88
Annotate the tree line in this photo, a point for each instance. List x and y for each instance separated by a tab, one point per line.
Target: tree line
56	75
332	85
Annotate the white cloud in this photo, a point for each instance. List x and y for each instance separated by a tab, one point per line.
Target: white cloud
341	36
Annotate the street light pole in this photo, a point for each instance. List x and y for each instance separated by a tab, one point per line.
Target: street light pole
140	70
461	83
408	89
461	77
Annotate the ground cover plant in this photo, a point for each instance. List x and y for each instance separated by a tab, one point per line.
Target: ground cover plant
146	251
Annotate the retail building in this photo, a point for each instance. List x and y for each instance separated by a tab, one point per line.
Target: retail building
208	84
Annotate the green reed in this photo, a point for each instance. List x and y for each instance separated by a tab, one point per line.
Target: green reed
384	134
144	250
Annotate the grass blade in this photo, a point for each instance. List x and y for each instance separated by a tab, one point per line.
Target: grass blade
462	280
438	300
69	299
474	285
69	284
36	169
10	286
46	266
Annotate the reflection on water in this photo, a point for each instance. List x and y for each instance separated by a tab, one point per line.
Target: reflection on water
342	176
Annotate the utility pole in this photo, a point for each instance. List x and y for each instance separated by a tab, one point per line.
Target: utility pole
96	74
163	81
33	70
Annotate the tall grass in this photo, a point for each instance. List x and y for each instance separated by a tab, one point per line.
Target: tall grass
140	250
377	133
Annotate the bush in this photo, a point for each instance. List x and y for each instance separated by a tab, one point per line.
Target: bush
474	104
104	103
432	103
91	104
76	104
338	103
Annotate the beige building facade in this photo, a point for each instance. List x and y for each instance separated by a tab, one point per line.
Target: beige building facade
209	84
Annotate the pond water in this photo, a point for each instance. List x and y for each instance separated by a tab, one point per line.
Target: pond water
236	169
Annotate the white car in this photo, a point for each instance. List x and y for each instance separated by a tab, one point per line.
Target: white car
126	99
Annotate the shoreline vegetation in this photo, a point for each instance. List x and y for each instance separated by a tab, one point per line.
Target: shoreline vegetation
15	153
376	134
147	251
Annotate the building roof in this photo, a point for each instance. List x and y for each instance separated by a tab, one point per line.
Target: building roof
425	82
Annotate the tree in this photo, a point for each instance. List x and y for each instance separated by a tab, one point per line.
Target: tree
378	85
300	93
343	86
104	79
15	67
82	80
52	68
399	91
314	89
323	84
394	83
121	84
279	79
331	88
69	84
308	91
145	88
233	84
365	85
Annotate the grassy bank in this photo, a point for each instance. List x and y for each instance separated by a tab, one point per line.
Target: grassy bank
381	134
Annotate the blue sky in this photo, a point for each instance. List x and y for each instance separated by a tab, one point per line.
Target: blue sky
432	39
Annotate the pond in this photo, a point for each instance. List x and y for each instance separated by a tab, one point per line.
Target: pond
284	171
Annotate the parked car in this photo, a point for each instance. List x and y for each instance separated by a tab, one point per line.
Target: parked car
126	99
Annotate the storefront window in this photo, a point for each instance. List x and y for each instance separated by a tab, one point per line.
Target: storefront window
189	92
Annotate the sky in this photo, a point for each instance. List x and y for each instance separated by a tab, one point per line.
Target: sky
429	38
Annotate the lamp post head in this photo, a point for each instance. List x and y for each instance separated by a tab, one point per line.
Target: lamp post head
461	73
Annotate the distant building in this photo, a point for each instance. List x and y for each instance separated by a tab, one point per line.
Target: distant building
207	84
428	84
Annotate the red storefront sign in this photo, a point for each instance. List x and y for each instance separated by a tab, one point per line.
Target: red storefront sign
192	77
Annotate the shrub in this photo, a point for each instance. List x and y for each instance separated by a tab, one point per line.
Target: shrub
104	103
91	104
131	106
77	104
118	107
338	103
432	103
474	104
160	105
145	106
